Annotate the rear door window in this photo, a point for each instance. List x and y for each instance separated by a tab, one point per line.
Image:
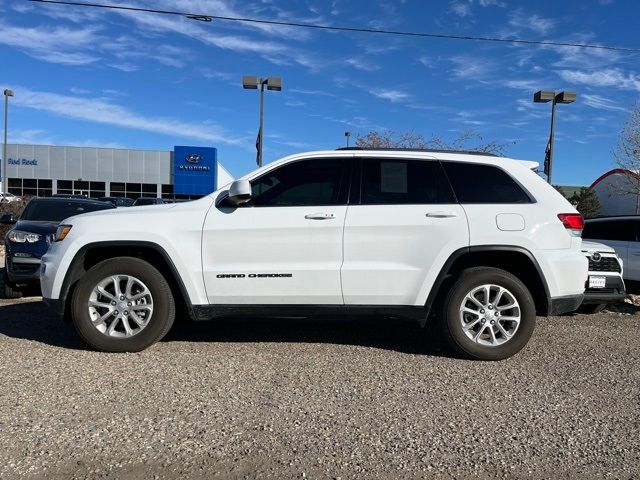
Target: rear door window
403	181
618	230
478	183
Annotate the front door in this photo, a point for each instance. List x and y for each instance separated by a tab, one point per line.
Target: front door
285	246
400	231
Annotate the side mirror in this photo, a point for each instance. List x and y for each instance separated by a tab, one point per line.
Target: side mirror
239	193
7	219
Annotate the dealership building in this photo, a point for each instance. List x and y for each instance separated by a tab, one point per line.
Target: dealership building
186	172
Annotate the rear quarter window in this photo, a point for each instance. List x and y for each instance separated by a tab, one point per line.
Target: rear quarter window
478	183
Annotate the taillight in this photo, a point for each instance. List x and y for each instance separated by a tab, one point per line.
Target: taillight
572	221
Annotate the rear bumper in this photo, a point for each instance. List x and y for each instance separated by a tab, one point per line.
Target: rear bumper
613	291
567	304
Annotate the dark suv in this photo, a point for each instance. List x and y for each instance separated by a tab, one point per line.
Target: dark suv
29	239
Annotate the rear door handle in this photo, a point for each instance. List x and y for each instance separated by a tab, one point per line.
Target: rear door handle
442	214
320	216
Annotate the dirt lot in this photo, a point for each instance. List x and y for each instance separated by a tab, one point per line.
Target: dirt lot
318	399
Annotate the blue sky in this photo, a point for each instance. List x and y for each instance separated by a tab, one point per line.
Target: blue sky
93	77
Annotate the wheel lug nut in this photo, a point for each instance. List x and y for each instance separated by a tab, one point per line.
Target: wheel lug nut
126	312
121	297
483	320
490	307
493	322
129	304
116	312
113	303
481	311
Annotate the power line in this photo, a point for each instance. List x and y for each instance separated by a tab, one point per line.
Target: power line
209	18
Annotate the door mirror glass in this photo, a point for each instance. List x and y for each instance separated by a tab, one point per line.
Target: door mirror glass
7	219
239	193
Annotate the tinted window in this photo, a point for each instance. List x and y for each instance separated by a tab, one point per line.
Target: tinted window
308	182
475	183
396	182
621	230
58	210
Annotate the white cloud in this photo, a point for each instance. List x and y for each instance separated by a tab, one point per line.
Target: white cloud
612	77
363	65
390	94
55	45
106	112
461	9
600	102
522	20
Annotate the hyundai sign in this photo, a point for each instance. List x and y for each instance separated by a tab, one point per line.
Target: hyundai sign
194	170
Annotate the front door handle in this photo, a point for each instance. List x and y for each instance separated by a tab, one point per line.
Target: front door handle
320	216
442	214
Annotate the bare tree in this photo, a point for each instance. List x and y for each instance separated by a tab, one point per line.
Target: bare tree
471	141
627	157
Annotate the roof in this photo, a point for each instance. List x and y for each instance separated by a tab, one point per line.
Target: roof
429	150
615	171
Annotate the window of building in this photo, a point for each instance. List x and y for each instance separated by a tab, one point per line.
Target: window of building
476	183
308	182
398	182
149	189
116	187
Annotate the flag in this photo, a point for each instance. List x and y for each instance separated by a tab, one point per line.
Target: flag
258	145
547	158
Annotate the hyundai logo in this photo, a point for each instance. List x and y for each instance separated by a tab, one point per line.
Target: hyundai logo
596	257
193	158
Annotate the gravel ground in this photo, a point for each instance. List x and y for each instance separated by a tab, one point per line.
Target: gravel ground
318	399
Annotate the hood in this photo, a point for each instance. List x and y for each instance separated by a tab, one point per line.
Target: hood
42	228
591	247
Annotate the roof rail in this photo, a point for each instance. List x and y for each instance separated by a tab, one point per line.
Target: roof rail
430	150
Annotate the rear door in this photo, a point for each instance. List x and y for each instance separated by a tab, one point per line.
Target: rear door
632	265
402	224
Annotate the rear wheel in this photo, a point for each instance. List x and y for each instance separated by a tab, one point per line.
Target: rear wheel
488	314
122	305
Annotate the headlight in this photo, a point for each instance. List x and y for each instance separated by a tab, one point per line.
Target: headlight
61	232
23	237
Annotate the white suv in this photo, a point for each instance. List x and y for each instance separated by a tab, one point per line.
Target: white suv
481	242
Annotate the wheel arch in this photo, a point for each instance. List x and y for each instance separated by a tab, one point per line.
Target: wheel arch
511	258
94	253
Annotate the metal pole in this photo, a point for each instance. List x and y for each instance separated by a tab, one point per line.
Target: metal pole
5	182
262	82
553	130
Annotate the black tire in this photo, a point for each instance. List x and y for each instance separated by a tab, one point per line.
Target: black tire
163	305
591	309
450	316
8	289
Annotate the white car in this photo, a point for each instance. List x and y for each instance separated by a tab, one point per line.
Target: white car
605	284
7	197
623	235
482	242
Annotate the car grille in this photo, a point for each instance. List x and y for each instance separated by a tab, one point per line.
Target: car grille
606	264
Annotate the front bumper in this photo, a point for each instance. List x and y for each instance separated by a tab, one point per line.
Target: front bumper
567	304
22	270
55	305
613	291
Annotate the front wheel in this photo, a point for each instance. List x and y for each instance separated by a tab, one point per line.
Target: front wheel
488	314
122	304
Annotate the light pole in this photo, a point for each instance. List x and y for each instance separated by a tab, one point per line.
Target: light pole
544	96
252	82
5	183
348	135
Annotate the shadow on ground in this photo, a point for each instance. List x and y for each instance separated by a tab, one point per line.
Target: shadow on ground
31	320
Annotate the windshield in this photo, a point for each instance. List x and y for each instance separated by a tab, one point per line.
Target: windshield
58	210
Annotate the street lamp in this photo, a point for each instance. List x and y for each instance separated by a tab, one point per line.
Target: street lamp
544	96
348	135
251	83
5	183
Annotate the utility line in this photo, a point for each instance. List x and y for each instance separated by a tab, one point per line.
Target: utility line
209	18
